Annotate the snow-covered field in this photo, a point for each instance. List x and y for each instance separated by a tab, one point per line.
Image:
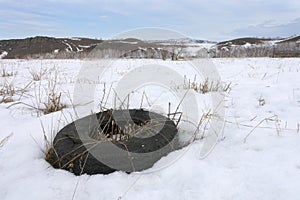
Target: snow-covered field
258	157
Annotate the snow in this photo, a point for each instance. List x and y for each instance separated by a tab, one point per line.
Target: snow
3	54
78	50
224	49
202	45
273	42
289	38
75	38
247	45
69	47
84	46
194	49
265	165
127	42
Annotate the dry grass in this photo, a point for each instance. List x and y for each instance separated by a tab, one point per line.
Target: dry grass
52	102
7	73
261	101
7	91
47	143
111	131
47	98
201	129
274	119
206	86
37	74
4	140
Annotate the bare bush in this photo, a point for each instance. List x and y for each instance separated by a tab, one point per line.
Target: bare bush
7	73
53	101
37	74
177	50
7	91
206	86
47	96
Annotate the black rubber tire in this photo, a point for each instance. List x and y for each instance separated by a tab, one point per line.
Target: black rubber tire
69	153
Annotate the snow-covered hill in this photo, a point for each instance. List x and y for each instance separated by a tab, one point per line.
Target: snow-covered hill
34	46
74	48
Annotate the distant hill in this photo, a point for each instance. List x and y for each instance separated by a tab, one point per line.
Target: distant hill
290	39
69	48
259	47
243	41
22	48
72	48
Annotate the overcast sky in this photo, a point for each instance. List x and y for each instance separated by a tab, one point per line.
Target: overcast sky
213	20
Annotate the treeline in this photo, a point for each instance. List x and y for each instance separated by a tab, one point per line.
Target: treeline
177	52
286	49
141	53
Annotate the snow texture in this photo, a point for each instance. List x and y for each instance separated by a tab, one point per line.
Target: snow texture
264	166
3	54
